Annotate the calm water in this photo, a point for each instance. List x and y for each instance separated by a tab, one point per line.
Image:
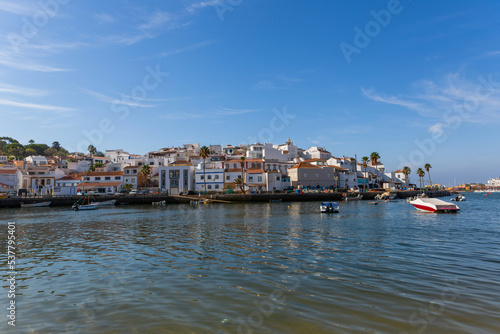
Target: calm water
256	268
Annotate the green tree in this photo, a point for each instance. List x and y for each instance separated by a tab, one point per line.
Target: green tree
239	182
39	148
407	172
56	146
50	152
427	167
29	151
145	171
374	161
31	141
204	154
92	150
421	174
365	165
15	149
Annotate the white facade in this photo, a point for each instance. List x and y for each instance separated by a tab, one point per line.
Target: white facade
176	179
10	178
214	178
316	152
66	186
36	160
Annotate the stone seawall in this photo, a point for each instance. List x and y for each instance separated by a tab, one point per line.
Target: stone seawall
238	198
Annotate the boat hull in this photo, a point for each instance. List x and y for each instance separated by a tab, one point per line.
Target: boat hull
434	205
35	205
329	207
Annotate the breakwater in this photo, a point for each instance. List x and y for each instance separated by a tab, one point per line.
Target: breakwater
148	199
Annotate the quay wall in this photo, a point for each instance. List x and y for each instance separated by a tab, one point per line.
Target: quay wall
148	199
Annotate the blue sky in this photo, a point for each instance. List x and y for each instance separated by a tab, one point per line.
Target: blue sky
419	85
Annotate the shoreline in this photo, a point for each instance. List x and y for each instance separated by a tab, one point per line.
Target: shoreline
231	198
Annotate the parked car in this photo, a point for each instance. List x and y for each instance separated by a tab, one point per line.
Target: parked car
134	192
289	189
144	192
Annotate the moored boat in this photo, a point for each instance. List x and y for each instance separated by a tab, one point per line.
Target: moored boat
332	207
357	198
84	207
104	203
434	205
458	198
35	205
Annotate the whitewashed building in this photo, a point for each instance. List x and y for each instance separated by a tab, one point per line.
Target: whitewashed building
176	178
213	177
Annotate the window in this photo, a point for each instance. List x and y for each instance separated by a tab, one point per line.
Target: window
209	187
235	166
132	180
98	178
239	177
209	177
216	177
258	165
228	177
174	183
48	182
174	174
202	177
216	186
259	179
253	164
250	179
152	163
135	171
107	178
118	177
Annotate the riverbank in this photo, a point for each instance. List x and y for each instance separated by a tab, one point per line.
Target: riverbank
236	198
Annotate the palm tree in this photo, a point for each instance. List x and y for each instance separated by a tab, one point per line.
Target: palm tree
92	150
427	167
204	153
145	171
242	164
374	161
421	174
239	182
406	172
365	165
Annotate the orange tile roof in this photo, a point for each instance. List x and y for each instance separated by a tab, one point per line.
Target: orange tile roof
304	164
255	171
8	171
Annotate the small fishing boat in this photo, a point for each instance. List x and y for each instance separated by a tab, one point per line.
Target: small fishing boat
160	203
392	198
458	198
35	205
357	198
330	207
434	205
105	203
84	204
373	203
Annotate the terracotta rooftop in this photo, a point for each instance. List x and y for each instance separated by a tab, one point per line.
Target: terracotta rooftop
304	164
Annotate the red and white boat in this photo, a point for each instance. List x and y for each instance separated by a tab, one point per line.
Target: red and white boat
434	205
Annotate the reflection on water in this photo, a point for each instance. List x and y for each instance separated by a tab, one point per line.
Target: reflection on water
257	268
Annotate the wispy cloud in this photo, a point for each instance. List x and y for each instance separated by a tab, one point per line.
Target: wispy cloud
125	100
277	82
203	4
184	49
11	89
370	93
16	7
27	105
231	111
156	20
104	18
452	93
30	66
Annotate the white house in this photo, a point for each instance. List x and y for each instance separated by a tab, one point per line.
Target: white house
316	152
213	177
36	160
9	179
131	175
67	185
176	178
102	182
37	180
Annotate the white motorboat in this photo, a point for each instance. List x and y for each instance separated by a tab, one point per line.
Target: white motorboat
434	205
459	198
35	205
84	207
104	203
332	207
